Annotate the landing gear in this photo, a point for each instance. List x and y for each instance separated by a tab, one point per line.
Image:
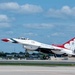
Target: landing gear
26	54
65	56
45	57
55	55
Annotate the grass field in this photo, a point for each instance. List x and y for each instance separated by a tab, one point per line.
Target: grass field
37	64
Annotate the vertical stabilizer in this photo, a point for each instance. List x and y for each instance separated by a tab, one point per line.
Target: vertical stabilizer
70	44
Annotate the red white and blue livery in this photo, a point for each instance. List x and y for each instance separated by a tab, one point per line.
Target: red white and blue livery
67	48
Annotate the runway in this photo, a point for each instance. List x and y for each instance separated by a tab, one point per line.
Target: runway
36	70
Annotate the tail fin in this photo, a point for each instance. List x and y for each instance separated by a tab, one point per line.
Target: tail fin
70	44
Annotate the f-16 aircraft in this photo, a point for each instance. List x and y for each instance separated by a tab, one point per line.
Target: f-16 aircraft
67	48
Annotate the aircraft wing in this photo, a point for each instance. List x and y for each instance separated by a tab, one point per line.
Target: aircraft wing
48	48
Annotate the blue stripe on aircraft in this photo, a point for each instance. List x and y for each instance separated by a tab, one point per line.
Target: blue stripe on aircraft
14	41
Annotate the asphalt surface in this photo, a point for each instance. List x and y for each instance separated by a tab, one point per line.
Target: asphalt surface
36	70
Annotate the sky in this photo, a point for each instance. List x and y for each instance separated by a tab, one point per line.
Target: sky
46	21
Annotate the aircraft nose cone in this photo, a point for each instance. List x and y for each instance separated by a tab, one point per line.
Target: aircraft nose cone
5	40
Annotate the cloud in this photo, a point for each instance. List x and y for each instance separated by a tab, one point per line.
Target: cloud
4	25
9	6
57	34
39	26
4	18
29	8
64	12
26	8
30	34
9	32
71	28
5	21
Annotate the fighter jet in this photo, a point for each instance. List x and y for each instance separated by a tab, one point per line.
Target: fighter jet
67	48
